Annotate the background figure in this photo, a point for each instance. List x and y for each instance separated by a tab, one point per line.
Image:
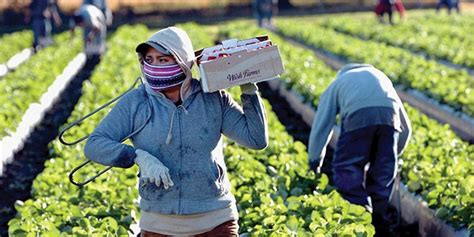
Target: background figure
263	10
382	7
449	4
102	5
93	22
40	14
374	130
386	6
455	4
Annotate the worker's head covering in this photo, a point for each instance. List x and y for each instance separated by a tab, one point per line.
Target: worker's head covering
143	47
176	42
351	66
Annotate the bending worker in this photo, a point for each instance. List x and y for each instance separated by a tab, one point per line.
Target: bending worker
374	129
103	7
93	21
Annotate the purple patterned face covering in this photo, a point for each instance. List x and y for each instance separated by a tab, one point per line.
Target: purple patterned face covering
162	77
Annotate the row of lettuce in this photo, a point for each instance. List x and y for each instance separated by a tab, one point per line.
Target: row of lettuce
57	205
276	193
421	34
434	23
437	164
13	43
441	83
25	85
436	155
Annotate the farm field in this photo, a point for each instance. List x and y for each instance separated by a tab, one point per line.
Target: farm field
277	193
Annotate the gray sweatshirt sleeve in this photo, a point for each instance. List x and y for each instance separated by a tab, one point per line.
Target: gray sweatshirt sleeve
247	127
323	123
104	144
406	130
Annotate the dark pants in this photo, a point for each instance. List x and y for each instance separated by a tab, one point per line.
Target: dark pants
263	10
375	144
226	229
39	30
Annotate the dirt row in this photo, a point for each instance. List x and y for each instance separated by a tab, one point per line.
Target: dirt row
19	175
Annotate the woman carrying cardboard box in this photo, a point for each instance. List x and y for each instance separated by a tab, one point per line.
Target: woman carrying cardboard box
176	130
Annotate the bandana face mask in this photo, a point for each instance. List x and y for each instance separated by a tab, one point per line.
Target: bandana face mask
163	77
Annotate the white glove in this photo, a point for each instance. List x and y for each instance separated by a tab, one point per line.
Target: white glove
249	88
152	170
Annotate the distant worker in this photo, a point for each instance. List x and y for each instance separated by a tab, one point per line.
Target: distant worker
93	21
263	10
455	4
382	7
102	5
449	4
375	129
386	6
40	14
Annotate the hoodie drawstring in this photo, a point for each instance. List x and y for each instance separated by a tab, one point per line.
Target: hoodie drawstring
168	137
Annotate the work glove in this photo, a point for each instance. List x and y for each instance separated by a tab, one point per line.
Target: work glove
152	170
314	165
249	88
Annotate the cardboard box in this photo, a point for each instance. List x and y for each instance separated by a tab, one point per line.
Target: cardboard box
240	67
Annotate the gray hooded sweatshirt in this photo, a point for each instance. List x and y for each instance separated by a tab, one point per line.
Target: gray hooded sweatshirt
357	87
186	138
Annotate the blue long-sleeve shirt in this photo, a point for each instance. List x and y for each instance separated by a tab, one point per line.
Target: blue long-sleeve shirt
193	152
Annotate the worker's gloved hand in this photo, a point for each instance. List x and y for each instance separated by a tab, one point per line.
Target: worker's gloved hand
249	88
314	165
152	170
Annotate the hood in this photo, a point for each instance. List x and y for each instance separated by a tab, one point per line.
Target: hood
349	67
178	43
